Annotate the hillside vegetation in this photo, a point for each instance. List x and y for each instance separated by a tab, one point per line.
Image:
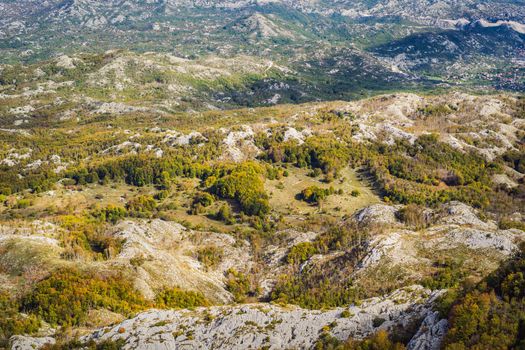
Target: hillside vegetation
327	206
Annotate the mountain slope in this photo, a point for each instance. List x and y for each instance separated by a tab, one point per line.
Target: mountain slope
419	38
367	211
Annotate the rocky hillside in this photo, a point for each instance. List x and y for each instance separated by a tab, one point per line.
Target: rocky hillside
262	174
298	225
258	325
108	12
457	234
430	42
118	82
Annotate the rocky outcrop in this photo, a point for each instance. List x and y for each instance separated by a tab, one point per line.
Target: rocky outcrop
430	334
457	213
165	251
22	342
378	214
452	226
265	325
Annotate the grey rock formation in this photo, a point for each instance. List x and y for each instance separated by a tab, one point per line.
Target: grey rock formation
430	334
21	342
257	325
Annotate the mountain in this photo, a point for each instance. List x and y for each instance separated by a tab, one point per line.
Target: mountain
418	38
136	225
472	42
262	174
115	11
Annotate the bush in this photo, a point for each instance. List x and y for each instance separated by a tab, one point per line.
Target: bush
65	297
204	199
413	215
84	236
210	256
313	290
449	274
506	224
141	206
377	322
91	345
162	195
300	253
244	184
225	214
516	160
377	341
176	298
314	194
11	322
22	204
111	214
346	314
238	284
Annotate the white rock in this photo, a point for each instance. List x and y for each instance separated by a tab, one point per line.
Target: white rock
257	325
430	334
65	62
457	213
380	214
21	342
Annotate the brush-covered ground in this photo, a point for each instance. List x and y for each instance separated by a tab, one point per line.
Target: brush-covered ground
382	223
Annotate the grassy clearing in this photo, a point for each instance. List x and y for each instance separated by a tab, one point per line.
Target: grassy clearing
283	193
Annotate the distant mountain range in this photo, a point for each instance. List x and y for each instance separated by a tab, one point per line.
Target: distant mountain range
115	11
469	43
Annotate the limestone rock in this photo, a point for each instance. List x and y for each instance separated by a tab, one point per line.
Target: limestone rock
430	334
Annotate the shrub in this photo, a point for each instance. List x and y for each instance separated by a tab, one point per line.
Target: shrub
225	214
300	253
204	199
210	256
377	341
238	284
161	195
315	173
85	237
346	314
314	290
413	215
91	345
111	214
505	224
65	297
377	322
314	194
141	206
244	184
516	160
11	322
176	298
22	204
449	274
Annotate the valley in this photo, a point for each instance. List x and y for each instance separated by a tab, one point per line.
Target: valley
256	206
204	174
